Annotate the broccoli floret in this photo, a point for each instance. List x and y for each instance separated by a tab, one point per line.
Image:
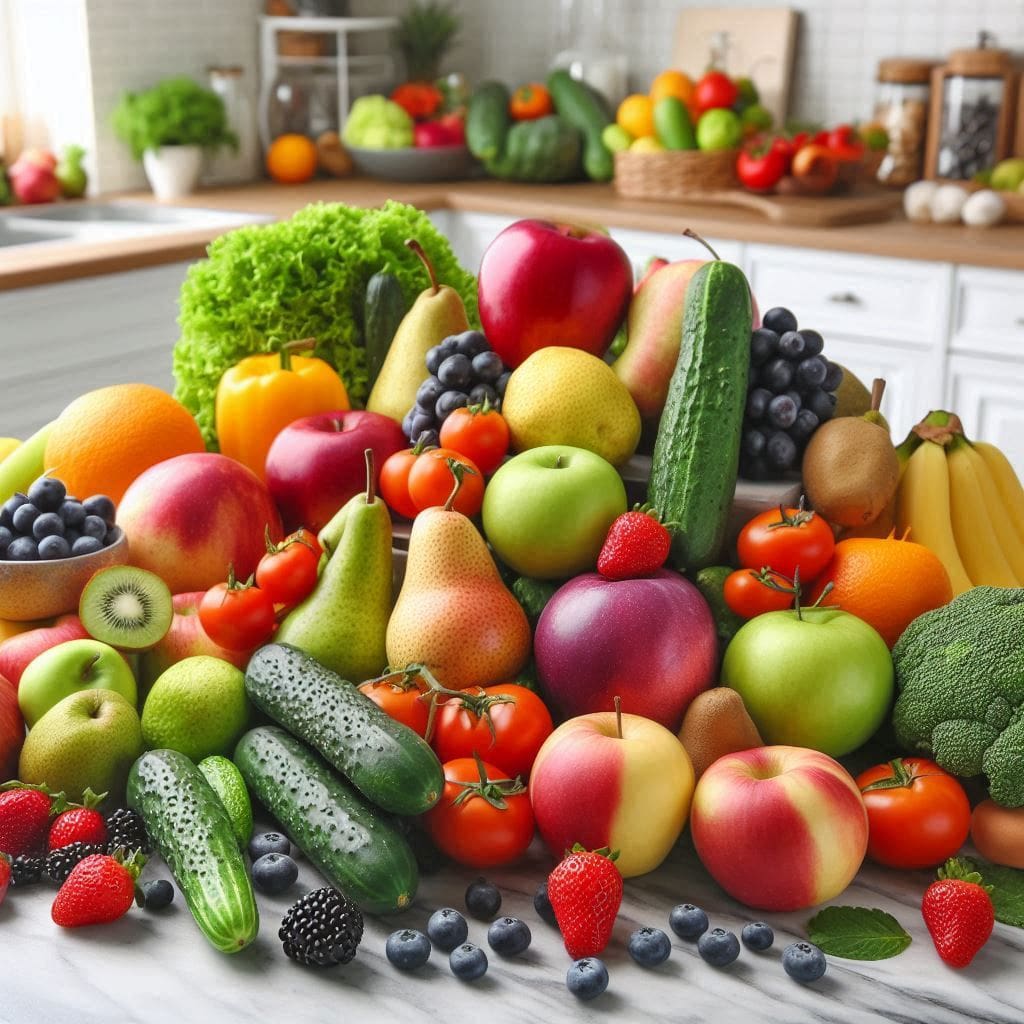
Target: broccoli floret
960	685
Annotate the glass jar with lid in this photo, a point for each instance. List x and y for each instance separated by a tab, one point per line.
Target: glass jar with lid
901	109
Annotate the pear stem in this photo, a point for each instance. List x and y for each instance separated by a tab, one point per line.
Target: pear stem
424	259
877	390
618	716
690	233
289	348
371	477
457	469
89	666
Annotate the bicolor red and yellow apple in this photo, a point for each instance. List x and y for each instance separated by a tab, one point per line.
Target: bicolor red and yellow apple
779	828
12	730
625	784
17	651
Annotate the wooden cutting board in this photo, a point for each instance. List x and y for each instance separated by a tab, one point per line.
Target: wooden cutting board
810	211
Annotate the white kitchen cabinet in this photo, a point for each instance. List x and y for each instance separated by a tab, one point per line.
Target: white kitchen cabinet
988	312
988	395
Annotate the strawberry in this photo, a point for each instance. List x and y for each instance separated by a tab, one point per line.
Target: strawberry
5	875
637	545
80	824
958	912
25	817
585	891
99	889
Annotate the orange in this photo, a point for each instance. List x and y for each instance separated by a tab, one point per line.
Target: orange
291	159
887	583
103	440
636	115
672	83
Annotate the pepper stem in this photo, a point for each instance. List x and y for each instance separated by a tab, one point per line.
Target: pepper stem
289	348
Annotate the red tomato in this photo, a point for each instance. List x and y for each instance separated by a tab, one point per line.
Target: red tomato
483	818
917	817
398	694
715	89
761	169
287	573
394	482
747	594
431	481
480	433
516	731
784	540
238	616
845	143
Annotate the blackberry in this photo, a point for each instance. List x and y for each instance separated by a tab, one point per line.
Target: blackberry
322	929
125	829
60	862
26	870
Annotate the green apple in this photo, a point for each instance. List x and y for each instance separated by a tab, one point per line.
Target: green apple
1008	174
547	511
68	668
719	129
818	678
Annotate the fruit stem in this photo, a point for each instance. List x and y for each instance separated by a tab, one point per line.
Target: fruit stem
289	348
558	462
877	390
618	716
89	666
411	243
459	470
371	480
690	233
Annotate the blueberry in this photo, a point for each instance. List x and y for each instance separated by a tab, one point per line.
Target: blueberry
777	375
407	949
587	978
781	451
273	873
779	319
100	505
487	367
718	947
763	345
23	518
822	404
833	376
455	371
5	538
72	512
10	506
757	936
86	546
753	442
448	403
795	398
471	343
268	842
757	403
448	346
811	373
803	962
49	524
483	900
806	424
157	894
501	382
782	412
649	947
688	921
53	547
23	549
792	345
93	526
542	905
47	494
481	393
420	421
508	936
435	357
468	962
429	392
447	929
813	342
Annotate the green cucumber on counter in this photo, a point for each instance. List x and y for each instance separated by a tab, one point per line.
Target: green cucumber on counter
383	310
697	450
355	848
386	761
193	833
577	105
487	121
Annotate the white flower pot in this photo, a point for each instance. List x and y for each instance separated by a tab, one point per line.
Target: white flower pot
173	170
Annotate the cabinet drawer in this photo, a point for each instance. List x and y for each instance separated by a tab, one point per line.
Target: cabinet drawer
840	293
988	312
642	246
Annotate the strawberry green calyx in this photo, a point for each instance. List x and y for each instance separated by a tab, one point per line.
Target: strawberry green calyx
605	851
59	802
133	862
958	870
92	800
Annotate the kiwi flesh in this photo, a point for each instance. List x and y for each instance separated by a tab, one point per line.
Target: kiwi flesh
126	607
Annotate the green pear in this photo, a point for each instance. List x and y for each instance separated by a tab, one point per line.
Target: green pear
344	620
437	313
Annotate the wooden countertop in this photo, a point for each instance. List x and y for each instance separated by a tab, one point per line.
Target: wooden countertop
1001	247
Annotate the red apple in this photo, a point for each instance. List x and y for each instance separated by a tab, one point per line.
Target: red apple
18	651
12	730
628	790
317	463
428	134
552	284
455	126
185	639
188	518
779	828
32	177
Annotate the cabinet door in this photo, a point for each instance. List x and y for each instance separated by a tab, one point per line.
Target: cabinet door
988	396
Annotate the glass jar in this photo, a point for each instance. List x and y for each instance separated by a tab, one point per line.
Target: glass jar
302	101
901	108
241	164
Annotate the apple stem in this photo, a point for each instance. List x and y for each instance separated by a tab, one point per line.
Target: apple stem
877	390
413	244
618	716
289	348
690	233
558	462
371	480
89	666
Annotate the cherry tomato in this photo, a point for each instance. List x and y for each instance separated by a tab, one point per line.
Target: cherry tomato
917	817
287	573
784	540
529	102
398	694
845	143
715	89
761	168
747	593
520	726
238	616
480	433
431	482
480	821
394	482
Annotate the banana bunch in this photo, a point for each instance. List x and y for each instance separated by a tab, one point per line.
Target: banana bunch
962	499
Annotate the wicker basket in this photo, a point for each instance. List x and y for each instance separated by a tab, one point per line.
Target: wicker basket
673	174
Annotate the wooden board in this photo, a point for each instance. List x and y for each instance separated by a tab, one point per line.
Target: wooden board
811	211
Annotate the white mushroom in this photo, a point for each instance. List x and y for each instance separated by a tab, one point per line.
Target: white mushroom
917	201
947	202
983	209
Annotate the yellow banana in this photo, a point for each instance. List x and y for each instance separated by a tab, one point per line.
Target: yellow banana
1007	483
1010	544
975	535
922	507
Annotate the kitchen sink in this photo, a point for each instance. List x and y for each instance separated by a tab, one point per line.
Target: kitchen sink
26	236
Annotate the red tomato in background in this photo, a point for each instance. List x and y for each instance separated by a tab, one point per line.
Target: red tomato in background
520	728
483	824
921	820
398	694
715	89
479	435
431	482
288	571
238	616
747	595
761	170
783	540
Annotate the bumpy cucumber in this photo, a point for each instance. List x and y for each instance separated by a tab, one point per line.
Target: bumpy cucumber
386	761
353	846
191	830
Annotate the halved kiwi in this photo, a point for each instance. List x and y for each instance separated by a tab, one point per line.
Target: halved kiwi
126	607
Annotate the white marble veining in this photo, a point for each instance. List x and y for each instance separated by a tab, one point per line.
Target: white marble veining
156	967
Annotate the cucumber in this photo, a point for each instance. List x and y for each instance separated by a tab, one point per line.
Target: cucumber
672	124
576	104
386	761
193	833
711	583
383	310
353	846
696	453
487	121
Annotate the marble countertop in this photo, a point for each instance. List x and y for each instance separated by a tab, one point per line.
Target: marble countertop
155	967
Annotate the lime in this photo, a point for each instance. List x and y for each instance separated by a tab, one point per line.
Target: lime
227	782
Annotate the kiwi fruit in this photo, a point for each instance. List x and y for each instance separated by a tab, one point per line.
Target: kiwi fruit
717	723
126	607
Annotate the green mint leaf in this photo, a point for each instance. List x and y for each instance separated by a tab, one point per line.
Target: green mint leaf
857	933
1007	891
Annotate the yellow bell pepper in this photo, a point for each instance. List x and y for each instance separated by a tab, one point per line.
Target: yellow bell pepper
261	395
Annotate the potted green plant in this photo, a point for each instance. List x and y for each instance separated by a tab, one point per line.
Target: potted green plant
168	128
